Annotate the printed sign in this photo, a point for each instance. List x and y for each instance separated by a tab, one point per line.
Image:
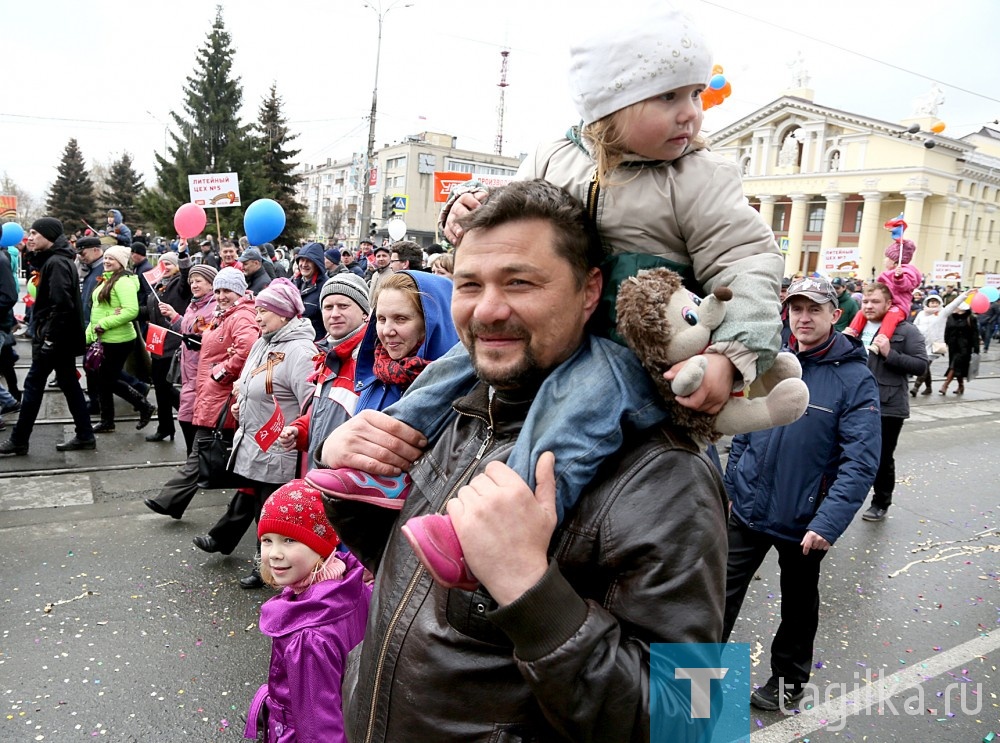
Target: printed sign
783	243
8	207
400	202
214	189
493	181
840	260
947	272
444	180
992	279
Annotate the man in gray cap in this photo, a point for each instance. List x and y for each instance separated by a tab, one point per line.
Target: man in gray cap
253	269
57	341
796	488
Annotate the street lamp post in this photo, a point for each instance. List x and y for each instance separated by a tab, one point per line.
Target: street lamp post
366	193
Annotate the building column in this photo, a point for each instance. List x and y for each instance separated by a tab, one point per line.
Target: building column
913	214
833	221
796	231
868	239
767	202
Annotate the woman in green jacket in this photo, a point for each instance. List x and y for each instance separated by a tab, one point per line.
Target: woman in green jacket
115	307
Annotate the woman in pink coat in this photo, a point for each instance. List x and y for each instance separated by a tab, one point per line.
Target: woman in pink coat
196	320
224	348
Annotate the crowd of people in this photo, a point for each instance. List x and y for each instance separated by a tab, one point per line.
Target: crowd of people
435	504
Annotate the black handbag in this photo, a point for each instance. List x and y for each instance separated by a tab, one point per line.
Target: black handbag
214	456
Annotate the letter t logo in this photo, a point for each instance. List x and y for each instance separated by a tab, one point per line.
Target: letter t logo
701	688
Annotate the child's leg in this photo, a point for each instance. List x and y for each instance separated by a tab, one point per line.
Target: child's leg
892	318
426	406
857	325
578	415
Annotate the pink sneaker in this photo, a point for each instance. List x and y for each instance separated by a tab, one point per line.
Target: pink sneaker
348	484
434	540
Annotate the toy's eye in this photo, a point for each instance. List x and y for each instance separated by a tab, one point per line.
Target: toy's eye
690	316
696	299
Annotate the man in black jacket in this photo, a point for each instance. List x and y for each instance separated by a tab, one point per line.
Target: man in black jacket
904	354
555	643
58	338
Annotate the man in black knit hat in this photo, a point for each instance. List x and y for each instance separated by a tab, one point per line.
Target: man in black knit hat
58	338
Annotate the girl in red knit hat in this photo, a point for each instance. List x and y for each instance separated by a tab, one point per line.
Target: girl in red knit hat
313	624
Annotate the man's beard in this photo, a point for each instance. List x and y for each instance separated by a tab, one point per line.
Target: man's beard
526	373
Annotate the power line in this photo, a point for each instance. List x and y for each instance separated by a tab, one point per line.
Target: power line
850	51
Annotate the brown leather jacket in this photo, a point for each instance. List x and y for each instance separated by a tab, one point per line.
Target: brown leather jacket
641	559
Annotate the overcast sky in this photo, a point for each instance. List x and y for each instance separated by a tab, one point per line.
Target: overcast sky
108	71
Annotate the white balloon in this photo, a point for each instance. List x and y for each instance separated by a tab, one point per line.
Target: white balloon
397	228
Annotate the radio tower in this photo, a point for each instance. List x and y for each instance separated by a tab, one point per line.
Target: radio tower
498	147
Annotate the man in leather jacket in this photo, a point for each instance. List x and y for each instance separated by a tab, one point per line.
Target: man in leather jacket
555	643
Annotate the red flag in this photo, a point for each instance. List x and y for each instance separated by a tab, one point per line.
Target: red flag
155	335
154	275
270	431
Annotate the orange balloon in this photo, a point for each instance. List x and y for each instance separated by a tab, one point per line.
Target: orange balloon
727	89
717	69
938	127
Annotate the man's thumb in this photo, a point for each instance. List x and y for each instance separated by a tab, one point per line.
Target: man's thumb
545	480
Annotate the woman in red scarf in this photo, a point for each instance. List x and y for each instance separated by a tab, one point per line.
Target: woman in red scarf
410	327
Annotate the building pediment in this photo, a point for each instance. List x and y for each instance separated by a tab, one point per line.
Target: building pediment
774	120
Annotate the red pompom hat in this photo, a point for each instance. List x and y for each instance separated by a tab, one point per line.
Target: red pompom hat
295	510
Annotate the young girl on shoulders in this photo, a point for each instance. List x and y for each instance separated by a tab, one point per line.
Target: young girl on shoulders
314	623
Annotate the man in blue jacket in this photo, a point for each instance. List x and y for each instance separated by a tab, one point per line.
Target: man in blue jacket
797	487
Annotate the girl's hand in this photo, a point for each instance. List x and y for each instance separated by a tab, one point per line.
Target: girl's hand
464	204
716	387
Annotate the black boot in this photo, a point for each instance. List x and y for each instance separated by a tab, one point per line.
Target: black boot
252	581
146	413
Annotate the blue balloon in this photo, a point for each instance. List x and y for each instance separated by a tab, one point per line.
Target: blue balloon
991	292
13	233
263	221
718	82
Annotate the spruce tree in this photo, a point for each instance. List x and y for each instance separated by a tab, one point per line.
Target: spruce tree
122	190
277	179
71	196
210	139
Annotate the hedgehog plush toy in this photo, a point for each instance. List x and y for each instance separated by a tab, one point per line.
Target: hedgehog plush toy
663	323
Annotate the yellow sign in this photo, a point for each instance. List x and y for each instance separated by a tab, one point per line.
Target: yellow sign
400	202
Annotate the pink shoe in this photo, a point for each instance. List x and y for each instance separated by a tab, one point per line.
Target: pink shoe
434	540
348	484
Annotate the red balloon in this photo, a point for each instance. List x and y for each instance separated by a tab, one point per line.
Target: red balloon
190	220
980	303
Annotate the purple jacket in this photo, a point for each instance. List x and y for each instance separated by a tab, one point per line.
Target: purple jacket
312	633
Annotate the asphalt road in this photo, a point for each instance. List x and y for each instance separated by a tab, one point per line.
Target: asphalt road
116	627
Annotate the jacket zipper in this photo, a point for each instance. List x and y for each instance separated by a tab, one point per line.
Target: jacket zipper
412	585
592	194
